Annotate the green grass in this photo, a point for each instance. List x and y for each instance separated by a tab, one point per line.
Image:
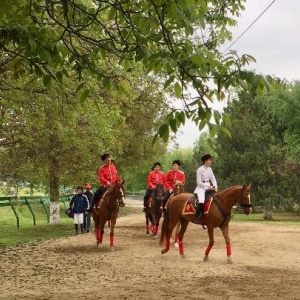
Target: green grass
11	235
23	192
279	218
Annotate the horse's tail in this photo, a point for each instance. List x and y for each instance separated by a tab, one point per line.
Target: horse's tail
164	228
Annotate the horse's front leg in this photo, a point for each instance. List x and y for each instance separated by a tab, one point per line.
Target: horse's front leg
154	225
225	232
147	223
210	230
112	234
102	224
97	227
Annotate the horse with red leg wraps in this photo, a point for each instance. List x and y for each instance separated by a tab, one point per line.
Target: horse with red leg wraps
154	210
217	216
108	209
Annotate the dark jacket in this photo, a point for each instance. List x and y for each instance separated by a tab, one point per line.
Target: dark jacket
89	196
79	203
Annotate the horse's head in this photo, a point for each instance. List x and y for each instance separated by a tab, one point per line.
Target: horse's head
159	192
118	192
244	199
178	188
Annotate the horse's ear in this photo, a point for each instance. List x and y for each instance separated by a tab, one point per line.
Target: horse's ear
123	182
249	186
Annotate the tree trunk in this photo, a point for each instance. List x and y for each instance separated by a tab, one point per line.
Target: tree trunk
268	214
54	192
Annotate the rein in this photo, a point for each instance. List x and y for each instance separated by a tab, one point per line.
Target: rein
230	215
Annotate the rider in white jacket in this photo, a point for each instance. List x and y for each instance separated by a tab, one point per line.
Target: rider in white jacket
206	180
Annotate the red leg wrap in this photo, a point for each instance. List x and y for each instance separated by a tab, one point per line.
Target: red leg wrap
167	244
154	229
100	238
111	239
228	248
180	243
98	234
208	249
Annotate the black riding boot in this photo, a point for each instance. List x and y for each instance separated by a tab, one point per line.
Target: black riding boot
199	213
81	228
164	202
76	229
145	205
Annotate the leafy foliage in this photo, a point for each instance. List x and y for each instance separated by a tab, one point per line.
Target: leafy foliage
175	40
256	153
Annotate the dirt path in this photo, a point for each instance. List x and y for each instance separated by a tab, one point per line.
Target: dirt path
266	266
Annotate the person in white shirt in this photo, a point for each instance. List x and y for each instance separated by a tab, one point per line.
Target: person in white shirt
206	180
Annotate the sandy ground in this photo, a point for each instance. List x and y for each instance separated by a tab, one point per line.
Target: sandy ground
266	265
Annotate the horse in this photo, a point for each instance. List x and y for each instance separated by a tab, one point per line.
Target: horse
154	210
178	189
112	199
217	216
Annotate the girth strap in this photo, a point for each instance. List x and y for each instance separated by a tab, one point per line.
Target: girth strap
225	216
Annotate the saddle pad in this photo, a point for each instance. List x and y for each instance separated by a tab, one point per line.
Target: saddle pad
207	205
190	206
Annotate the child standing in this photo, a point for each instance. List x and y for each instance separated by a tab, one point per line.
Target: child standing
79	204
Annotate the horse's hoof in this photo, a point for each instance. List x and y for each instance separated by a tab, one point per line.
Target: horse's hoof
229	260
182	256
176	245
163	251
98	243
205	258
112	249
154	236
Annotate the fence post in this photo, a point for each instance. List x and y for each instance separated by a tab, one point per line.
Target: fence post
42	200
33	216
16	215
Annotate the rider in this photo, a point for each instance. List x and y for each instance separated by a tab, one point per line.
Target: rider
79	204
205	181
155	177
173	177
107	175
87	217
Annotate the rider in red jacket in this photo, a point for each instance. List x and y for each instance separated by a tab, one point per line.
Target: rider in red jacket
172	177
107	175
155	177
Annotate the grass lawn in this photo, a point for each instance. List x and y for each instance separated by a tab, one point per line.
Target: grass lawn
279	218
11	235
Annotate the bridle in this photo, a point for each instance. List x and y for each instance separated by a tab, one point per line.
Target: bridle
178	188
118	200
158	195
242	193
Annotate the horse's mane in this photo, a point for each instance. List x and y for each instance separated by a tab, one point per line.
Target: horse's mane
232	188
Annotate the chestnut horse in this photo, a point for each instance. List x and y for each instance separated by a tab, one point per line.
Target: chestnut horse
178	189
108	210
218	216
154	211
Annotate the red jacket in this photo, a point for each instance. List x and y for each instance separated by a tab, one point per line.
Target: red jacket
173	176
108	174
155	178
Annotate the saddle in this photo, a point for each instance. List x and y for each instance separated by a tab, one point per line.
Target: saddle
192	203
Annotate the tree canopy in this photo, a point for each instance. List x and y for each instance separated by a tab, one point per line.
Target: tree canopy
176	40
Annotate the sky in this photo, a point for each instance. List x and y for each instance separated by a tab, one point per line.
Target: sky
274	42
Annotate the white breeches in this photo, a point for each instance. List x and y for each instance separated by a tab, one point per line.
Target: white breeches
78	218
200	193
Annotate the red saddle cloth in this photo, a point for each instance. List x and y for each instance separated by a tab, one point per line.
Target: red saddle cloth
190	207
